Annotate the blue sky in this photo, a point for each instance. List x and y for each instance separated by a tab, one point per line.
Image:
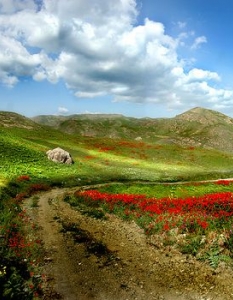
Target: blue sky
147	58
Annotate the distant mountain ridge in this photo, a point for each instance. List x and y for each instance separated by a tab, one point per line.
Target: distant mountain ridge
198	127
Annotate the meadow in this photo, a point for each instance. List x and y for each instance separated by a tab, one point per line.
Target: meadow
139	184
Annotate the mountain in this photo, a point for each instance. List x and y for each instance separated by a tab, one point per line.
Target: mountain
204	127
198	127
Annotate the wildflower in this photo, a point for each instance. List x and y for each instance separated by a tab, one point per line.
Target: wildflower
166	227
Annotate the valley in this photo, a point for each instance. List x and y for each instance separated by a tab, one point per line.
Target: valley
144	212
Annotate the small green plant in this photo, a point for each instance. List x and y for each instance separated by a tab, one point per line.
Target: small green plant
191	245
214	257
34	201
95	213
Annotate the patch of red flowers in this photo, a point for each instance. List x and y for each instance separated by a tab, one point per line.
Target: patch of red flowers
224	182
88	157
105	149
19	197
23	178
191	210
17	241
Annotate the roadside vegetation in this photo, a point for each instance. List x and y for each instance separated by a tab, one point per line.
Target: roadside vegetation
140	185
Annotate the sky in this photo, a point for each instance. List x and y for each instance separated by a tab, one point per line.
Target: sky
139	58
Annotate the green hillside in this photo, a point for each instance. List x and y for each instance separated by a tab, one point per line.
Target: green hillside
98	157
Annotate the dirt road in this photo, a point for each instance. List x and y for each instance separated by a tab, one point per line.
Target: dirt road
110	259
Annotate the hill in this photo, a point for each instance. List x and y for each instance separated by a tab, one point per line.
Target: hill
202	127
11	119
114	147
197	127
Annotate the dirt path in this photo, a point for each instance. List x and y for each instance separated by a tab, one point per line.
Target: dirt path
111	259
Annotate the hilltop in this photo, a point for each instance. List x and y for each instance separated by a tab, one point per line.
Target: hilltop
11	119
197	127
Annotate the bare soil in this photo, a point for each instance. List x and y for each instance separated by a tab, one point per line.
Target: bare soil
87	258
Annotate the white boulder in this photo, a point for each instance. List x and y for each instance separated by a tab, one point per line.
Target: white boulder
59	155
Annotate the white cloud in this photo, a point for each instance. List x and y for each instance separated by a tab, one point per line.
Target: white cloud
97	49
198	41
200	75
87	112
63	110
12	6
181	25
15	60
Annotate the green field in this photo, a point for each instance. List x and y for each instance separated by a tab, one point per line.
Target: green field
23	152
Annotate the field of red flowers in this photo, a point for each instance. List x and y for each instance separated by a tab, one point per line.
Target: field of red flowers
202	211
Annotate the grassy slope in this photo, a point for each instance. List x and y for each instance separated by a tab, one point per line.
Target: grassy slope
97	159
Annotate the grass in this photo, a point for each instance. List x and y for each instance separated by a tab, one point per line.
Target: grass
173	190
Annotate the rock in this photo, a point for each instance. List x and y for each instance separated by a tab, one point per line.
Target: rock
59	155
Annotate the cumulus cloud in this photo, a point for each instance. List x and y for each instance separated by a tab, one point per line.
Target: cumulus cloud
97	48
200	75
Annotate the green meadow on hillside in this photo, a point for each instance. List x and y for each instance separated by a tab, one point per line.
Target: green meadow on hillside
23	152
